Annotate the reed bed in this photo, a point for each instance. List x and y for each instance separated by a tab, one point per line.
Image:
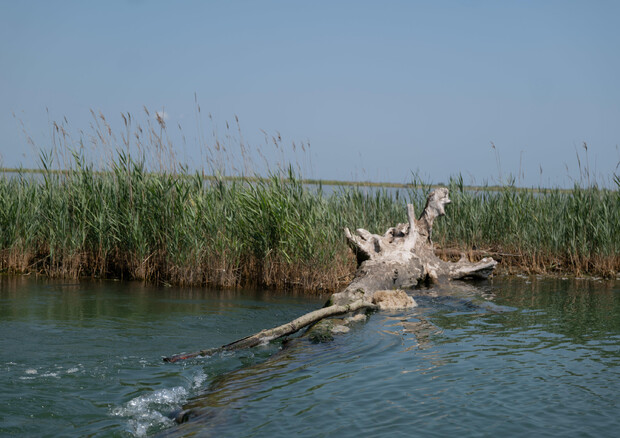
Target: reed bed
174	226
553	231
171	228
179	228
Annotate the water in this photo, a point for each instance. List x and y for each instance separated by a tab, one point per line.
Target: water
520	357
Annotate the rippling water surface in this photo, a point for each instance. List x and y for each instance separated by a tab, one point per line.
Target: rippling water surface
519	357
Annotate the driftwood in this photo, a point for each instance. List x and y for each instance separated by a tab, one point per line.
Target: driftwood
400	259
404	256
289	328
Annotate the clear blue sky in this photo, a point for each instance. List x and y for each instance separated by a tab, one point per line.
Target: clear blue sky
379	89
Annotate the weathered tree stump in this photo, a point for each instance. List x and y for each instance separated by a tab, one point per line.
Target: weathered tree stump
399	259
404	256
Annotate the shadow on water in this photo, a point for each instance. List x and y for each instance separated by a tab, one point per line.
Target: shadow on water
222	403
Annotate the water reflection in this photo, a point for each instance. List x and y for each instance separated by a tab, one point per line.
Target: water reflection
514	356
44	299
581	310
83	358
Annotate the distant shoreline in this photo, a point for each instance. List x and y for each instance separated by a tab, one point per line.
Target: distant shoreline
324	182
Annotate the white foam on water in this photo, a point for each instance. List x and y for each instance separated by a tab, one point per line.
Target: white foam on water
199	379
145	412
33	373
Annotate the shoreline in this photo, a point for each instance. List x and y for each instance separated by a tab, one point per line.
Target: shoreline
502	271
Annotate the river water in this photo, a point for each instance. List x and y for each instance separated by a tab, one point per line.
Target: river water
509	357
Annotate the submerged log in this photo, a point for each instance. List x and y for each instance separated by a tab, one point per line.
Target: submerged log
401	258
289	328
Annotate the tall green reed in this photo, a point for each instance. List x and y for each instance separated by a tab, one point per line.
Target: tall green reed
128	208
548	230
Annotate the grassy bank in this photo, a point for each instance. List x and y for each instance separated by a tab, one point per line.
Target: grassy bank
176	227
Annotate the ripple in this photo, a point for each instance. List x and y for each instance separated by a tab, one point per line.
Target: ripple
452	366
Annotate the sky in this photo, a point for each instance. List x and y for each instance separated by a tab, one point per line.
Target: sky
374	90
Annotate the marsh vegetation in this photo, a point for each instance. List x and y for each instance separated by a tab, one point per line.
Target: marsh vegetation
136	212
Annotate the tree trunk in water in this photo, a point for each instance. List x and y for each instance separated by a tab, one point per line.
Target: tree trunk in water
399	259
